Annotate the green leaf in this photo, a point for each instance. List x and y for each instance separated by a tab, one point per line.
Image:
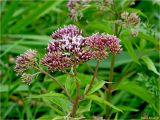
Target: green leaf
28	36
8	15
58	99
101	100
70	85
139	12
148	37
116	117
127	108
84	108
42	9
51	94
137	90
98	84
127	43
10	48
6	88
150	64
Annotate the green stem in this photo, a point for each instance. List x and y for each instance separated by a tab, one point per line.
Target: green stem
76	102
109	95
92	80
111	75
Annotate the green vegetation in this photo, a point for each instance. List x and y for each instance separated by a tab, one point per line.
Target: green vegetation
127	86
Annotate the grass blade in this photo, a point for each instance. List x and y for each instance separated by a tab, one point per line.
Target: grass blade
35	14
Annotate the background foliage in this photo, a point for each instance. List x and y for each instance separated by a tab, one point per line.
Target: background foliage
29	23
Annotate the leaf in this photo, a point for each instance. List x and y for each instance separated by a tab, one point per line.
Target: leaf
137	90
139	12
8	15
127	108
99	84
42	9
58	99
84	108
70	85
116	117
127	43
10	48
6	88
101	100
150	64
148	37
49	104
28	36
51	94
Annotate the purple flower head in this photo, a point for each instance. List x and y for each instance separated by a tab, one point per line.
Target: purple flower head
69	48
56	61
66	31
100	42
113	43
25	61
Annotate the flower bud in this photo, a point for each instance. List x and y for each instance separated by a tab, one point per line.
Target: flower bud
133	19
124	15
27	78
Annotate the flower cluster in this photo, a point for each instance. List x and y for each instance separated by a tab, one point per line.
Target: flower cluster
75	8
103	4
69	48
25	61
131	18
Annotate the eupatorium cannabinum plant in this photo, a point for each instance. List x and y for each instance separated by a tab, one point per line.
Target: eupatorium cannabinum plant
67	49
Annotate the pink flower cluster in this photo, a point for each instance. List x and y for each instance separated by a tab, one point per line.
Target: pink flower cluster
26	61
69	48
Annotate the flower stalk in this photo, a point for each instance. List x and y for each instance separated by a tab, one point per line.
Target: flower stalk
93	78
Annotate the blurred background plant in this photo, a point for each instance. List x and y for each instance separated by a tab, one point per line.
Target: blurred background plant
29	23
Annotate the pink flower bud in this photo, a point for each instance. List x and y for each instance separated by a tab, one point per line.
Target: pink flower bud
26	61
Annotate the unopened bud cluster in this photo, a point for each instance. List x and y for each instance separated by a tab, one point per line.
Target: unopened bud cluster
103	4
25	61
27	78
75	8
69	48
130	18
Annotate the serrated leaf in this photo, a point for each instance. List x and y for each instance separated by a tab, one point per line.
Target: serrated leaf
59	99
84	108
99	84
